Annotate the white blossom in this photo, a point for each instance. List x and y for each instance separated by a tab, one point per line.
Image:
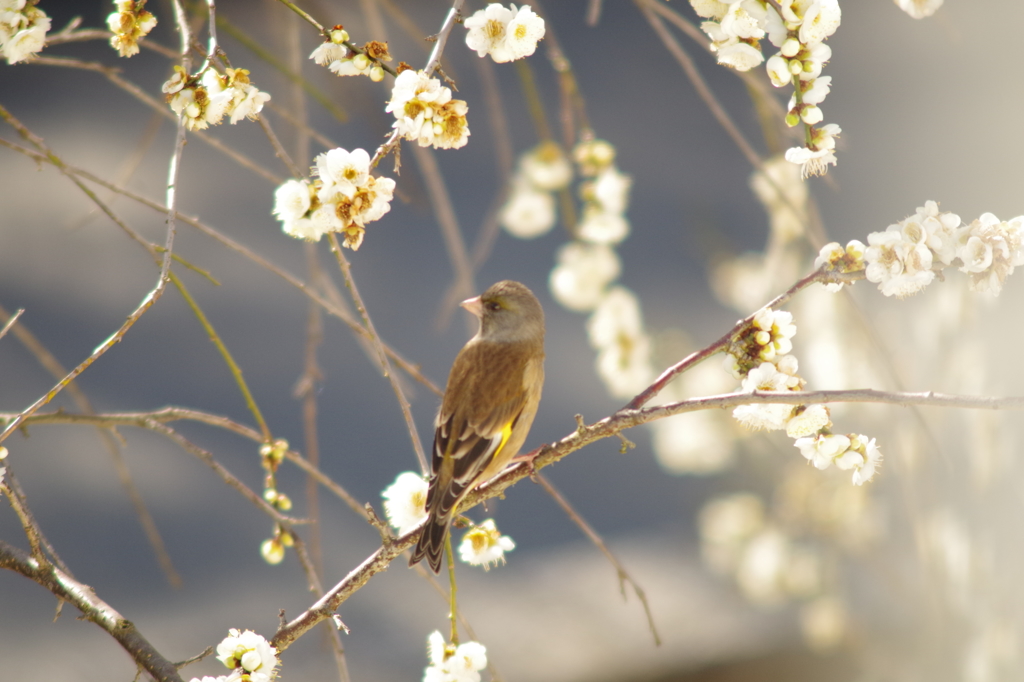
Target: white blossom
775	329
449	663
484	545
744	19
896	263
546	167
128	24
739	55
624	349
506	34
768	416
426	113
710	9
326	53
248	653
23	28
292	200
341	171
919	9
602	227
990	249
808	422
486	29
583	271
523	33
528	213
816	160
823	449
405	502
820	21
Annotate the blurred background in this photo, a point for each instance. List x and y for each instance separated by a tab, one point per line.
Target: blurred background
756	566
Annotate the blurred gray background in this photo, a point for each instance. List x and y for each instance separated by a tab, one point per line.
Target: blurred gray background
929	110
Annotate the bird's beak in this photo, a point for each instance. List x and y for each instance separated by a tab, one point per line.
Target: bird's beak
474	305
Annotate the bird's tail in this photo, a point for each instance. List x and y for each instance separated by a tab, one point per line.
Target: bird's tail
431	542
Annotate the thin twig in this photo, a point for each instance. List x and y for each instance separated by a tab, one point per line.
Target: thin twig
624	576
331	308
62	585
694	358
57	370
382	358
703	91
229	360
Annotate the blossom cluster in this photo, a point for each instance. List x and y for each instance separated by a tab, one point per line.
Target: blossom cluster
405	503
587	267
129	23
770	564
530	209
426	113
344	61
905	258
342	198
853	451
204	100
250	657
736	29
505	33
23	28
451	663
759	355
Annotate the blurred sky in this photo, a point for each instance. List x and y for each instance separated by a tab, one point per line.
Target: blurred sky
929	110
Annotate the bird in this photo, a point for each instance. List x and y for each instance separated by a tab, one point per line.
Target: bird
489	403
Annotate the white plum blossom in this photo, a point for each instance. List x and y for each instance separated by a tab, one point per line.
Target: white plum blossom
342	198
602	227
484	545
326	53
744	20
919	9
23	30
739	55
583	272
990	249
768	416
426	113
842	260
820	20
449	663
816	91
546	167
624	349
341	171
823	449
775	329
504	33
248	654
128	24
815	160
853	451
523	33
529	212
593	156
870	458
807	422
405	502
710	9
899	265
610	190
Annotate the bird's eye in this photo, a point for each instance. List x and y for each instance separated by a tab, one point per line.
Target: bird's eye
494	306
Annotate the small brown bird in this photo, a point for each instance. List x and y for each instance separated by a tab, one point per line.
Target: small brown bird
493	390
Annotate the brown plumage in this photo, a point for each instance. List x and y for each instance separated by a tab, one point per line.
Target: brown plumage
489	404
